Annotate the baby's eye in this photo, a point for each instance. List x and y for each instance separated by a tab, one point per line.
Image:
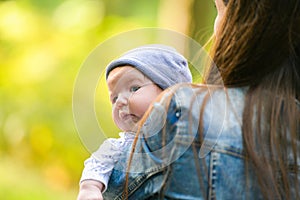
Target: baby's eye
114	99
134	88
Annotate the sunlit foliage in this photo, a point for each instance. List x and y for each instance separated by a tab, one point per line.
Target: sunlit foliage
42	46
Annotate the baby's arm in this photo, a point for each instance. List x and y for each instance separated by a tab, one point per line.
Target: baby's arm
99	166
90	190
93	180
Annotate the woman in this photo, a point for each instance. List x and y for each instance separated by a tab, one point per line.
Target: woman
240	141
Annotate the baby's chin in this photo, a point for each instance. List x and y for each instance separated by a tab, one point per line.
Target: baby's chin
133	127
132	124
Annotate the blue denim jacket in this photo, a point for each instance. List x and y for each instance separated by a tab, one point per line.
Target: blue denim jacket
179	167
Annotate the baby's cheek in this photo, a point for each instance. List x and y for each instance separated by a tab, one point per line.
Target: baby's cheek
115	117
144	107
139	107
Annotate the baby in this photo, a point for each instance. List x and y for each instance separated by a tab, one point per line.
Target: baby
134	80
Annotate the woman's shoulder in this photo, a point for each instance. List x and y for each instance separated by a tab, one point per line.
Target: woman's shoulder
185	91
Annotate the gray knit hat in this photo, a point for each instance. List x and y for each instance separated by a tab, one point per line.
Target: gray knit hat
160	63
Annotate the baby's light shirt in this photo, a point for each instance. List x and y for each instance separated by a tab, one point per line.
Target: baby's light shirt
101	163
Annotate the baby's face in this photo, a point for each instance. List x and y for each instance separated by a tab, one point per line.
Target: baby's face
131	93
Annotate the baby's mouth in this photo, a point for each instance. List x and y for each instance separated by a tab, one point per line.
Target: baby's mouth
126	116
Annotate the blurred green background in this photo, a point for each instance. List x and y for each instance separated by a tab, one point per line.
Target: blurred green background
42	46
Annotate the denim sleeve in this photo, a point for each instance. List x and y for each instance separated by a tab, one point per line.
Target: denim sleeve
162	125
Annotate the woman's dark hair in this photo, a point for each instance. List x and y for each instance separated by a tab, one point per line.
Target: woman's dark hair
259	48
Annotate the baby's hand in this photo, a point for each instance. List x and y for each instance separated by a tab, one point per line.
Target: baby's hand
90	190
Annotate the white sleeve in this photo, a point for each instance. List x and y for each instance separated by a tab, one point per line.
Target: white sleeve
100	165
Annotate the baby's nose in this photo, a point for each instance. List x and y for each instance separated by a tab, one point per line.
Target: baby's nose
122	100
